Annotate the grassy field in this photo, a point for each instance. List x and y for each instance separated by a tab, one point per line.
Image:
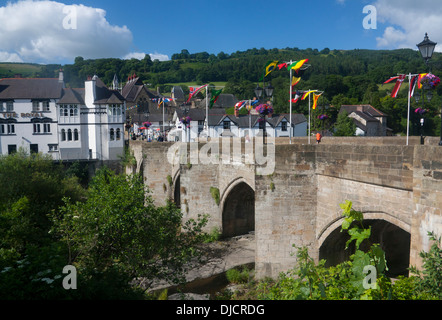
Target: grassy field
25	69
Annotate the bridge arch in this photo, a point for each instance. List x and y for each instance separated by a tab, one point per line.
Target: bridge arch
237	204
392	234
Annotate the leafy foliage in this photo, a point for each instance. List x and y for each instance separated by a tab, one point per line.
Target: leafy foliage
311	281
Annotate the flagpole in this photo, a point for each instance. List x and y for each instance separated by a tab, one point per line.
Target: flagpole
291	96
409	102
207	112
309	111
163	122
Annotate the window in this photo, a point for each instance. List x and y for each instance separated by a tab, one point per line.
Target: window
34	148
35	106
118	134
53	147
69	135
11	128
226	125
112	135
71	110
37	128
9	106
46	106
46	128
75	134
65	112
12	148
2	107
284	126
63	135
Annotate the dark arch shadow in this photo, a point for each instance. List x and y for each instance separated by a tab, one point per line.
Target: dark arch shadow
392	239
238	216
177	192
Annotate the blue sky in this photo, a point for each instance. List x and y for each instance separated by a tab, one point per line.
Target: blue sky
32	31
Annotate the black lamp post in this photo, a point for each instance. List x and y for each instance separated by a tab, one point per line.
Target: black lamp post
417	96
268	93
426	48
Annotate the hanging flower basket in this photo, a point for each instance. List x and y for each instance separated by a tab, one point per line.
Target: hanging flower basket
420	111
323	117
264	109
186	120
430	81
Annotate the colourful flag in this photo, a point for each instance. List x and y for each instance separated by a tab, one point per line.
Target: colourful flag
270	66
215	96
391	79
419	84
282	65
295	81
413	85
297	64
307	93
298	95
194	91
315	99
397	86
239	105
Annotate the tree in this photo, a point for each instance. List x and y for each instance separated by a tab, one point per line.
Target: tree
118	226
344	126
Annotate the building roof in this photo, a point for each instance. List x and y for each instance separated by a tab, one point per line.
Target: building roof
133	88
30	88
72	96
364	108
104	95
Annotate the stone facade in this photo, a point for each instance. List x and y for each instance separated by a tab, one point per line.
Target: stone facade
298	203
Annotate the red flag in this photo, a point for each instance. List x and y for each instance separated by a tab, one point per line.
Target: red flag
413	85
282	65
397	86
391	79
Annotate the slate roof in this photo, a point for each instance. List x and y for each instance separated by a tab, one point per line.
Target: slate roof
133	88
104	95
72	96
30	88
366	109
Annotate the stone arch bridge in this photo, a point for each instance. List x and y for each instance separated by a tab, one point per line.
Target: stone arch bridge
295	202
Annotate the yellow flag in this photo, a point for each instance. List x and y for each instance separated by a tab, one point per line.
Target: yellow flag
315	99
295	81
306	94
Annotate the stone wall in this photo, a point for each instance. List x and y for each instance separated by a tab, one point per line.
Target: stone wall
298	204
427	199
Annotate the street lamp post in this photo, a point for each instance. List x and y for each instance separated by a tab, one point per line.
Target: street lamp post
426	49
417	96
268	92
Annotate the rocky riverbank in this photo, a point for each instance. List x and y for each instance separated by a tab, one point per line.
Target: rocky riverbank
204	279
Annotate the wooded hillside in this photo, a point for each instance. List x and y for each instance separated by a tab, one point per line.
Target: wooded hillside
346	77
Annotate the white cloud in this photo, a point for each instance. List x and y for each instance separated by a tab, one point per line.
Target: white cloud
407	22
49	31
9	57
141	55
159	56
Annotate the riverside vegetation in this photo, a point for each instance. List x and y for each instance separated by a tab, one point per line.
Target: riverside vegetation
112	233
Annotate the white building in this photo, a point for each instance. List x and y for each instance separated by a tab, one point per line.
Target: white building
223	125
41	115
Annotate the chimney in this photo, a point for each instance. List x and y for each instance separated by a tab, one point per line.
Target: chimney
61	77
236	112
90	91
